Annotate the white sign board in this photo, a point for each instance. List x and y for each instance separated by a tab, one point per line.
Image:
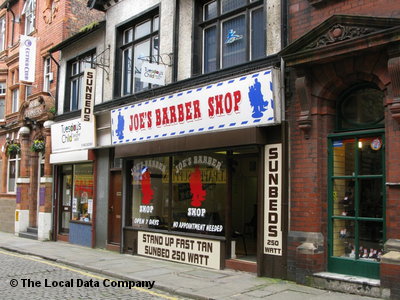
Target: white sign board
193	251
273	200
72	135
236	103
152	73
89	77
27	58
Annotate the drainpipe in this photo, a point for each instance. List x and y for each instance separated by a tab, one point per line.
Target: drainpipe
175	42
57	82
13	22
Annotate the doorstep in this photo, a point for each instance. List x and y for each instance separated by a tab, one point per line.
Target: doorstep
241	265
113	247
358	285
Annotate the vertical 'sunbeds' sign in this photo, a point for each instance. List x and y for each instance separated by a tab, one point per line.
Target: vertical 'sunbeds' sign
273	200
88	95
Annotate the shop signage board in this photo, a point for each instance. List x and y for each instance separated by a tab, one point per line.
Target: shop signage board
152	73
89	85
246	101
193	251
72	135
27	58
273	200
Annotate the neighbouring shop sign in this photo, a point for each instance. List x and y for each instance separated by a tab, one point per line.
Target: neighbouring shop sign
240	102
153	73
199	252
72	135
27	58
273	200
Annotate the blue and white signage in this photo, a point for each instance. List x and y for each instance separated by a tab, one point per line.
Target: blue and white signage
27	58
232	104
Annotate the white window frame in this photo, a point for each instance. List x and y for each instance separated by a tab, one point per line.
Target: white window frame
28	91
17	160
3	88
2	33
15	100
29	11
47	74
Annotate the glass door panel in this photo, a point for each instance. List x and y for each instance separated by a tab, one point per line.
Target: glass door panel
356	209
66	197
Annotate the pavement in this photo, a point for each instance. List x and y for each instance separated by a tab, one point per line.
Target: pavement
178	279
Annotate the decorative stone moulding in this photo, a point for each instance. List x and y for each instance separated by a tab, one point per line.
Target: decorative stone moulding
394	72
395	111
304	120
338	33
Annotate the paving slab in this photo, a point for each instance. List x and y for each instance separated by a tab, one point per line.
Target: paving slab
181	279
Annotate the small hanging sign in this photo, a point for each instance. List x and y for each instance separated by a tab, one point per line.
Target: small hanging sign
153	73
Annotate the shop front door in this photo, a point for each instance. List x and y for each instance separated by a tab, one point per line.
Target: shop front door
244	205
114	208
356	203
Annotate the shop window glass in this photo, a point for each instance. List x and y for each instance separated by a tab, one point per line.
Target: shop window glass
150	190
357	202
199	185
199	191
82	201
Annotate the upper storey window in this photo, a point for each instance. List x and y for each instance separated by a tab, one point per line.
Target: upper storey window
74	83
29	12
2	33
138	42
231	32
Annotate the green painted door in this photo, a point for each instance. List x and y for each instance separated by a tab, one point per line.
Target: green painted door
356	185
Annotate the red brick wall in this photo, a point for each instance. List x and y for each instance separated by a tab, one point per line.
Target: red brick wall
303	16
390	275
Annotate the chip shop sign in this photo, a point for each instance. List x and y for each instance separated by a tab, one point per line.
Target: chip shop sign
72	135
232	104
199	252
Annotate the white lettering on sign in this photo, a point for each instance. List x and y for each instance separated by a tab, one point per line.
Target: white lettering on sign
240	102
273	200
200	252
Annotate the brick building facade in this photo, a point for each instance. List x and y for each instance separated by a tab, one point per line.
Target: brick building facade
27	106
343	63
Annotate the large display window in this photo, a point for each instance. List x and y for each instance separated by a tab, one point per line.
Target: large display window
77	194
184	193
